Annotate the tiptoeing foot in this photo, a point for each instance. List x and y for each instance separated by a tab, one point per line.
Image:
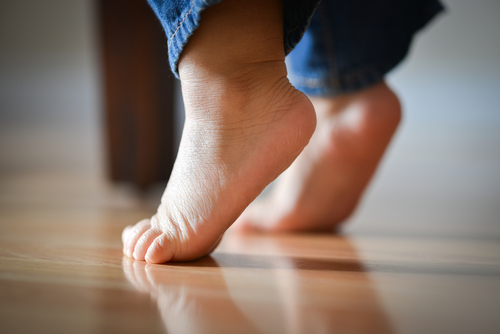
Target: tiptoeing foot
325	183
245	124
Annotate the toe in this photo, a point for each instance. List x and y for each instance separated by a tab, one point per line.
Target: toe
160	250
126	233
132	235
142	245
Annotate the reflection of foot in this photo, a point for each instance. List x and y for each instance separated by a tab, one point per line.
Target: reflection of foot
245	124
190	303
324	184
317	283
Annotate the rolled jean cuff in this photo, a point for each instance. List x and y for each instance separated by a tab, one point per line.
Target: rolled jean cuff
180	18
351	45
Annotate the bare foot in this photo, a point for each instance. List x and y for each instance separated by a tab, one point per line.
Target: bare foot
324	185
245	124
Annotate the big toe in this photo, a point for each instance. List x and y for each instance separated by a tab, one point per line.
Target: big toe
160	250
144	242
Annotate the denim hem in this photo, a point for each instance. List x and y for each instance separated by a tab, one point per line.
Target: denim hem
180	18
325	64
296	21
348	45
178	33
354	81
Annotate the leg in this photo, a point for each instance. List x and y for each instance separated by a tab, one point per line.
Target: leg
245	124
323	186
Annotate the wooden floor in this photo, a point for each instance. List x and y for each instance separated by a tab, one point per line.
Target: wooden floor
62	271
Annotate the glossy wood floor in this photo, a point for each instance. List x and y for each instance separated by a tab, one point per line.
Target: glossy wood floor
62	271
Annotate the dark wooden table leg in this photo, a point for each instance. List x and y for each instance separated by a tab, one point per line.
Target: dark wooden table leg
139	101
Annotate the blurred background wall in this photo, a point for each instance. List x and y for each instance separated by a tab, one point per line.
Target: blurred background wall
442	169
443	172
50	107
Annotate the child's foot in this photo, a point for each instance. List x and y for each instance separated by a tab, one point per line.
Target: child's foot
323	186
245	124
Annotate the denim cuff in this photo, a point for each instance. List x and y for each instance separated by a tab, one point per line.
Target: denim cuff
180	18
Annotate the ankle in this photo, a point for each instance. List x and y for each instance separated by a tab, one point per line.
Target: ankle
247	91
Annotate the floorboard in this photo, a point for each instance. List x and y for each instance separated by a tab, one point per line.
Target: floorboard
62	270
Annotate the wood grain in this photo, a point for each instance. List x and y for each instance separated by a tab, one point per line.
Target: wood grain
62	270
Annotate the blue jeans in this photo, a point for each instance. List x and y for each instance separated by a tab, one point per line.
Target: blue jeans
339	46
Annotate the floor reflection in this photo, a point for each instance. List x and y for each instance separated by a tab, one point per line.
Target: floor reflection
190	301
265	284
